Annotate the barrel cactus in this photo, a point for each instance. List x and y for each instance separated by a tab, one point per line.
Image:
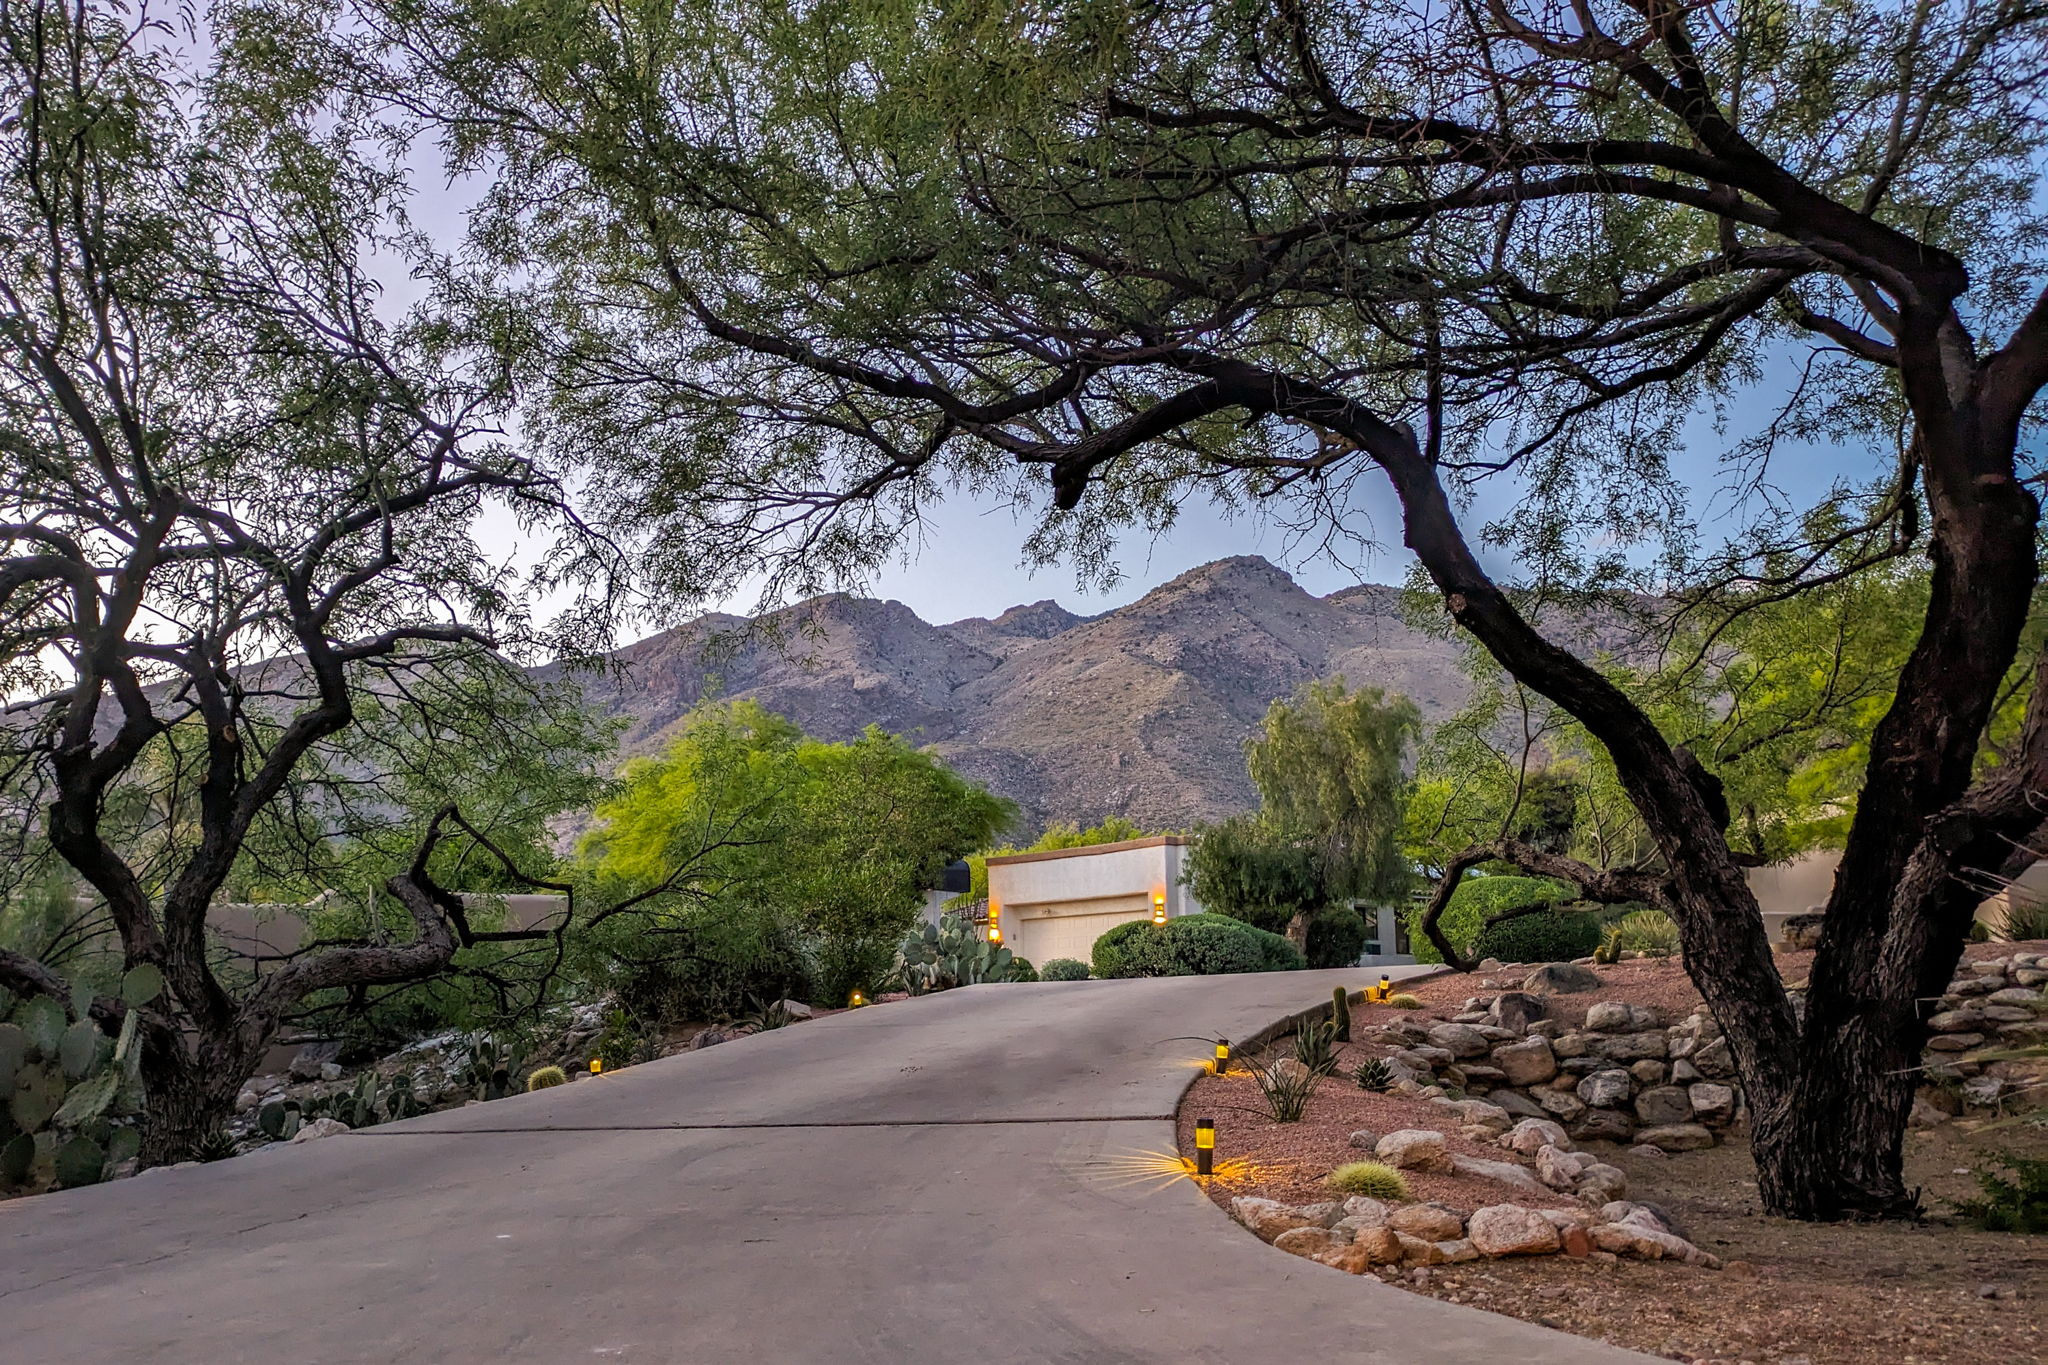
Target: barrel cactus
546	1078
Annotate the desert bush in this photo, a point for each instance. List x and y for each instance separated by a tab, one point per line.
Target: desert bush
1545	936
1022	970
1336	937
2018	1204
2024	920
1640	931
1373	1179
1285	1085
1064	969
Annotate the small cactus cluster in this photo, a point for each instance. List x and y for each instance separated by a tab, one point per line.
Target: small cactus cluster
937	957
492	1069
364	1106
69	1087
546	1078
1340	1015
1372	1179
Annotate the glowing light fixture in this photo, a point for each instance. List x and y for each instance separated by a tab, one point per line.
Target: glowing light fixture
995	932
1159	907
1222	1056
857	1001
597	1066
1386	986
1205	1146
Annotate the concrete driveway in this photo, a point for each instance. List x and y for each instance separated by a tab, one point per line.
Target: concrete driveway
968	1177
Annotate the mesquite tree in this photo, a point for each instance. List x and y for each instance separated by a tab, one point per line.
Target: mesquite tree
801	269
238	560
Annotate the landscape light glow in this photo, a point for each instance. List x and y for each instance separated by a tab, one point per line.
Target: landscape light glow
597	1066
1205	1146
1159	907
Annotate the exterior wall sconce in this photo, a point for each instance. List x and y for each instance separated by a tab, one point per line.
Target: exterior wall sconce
1222	1056
995	932
1159	907
1205	1146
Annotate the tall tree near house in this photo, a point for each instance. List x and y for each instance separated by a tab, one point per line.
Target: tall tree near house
802	269
237	517
1330	766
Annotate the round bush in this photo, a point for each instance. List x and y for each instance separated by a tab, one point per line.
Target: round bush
1477	900
1546	936
1192	945
1064	969
1372	1179
1021	970
1336	937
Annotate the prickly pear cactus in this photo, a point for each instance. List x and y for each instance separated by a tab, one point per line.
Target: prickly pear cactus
937	957
69	1088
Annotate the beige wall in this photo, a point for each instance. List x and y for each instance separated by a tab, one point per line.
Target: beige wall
1795	887
1055	904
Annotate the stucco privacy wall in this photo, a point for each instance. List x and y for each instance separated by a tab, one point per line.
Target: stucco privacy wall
1057	903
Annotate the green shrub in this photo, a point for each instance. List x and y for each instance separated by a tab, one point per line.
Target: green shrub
1192	945
1022	970
1477	900
2026	919
1372	1179
1546	936
1064	969
1286	1086
1336	937
1313	1047
546	1078
1642	931
2016	1205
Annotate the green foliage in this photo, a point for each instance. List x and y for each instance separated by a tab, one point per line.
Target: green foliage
1022	970
1640	931
1313	1047
1191	945
1544	936
1374	1074
2015	1204
1373	1179
216	1145
2025	918
1065	969
1340	1015
545	1078
773	857
1336	937
65	1086
1477	900
937	957
1286	1086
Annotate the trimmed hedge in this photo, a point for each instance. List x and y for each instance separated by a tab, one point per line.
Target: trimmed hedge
1192	945
1064	969
1548	936
1477	900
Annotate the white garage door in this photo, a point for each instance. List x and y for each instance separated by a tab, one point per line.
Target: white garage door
1069	935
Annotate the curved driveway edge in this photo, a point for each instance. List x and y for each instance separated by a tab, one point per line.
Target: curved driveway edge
984	1175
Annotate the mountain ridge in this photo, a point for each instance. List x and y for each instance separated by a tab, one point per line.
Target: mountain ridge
1139	711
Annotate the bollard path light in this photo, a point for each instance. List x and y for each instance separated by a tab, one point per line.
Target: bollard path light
597	1066
857	1001
1222	1056
1205	1146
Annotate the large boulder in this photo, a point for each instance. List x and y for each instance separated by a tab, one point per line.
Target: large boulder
1664	1104
1711	1103
1460	1040
1268	1218
1561	978
1601	1183
1715	1059
1309	1242
1431	1222
1607	1089
1560	1169
1573	1044
1371	1247
1479	1112
1607	1016
1506	1172
1532	1135
1677	1137
1632	1047
1511	1230
319	1128
306	1063
1563	1105
1516	1010
1415	1149
1602	1125
1518	1105
1529	1062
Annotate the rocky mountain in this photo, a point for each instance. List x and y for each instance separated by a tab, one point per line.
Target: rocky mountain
1140	711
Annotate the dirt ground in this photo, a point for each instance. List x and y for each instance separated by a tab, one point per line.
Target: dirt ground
1934	1292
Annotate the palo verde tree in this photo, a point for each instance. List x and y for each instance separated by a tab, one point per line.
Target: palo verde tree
800	270
239	554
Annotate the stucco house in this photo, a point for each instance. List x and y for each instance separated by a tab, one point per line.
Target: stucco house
1057	903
